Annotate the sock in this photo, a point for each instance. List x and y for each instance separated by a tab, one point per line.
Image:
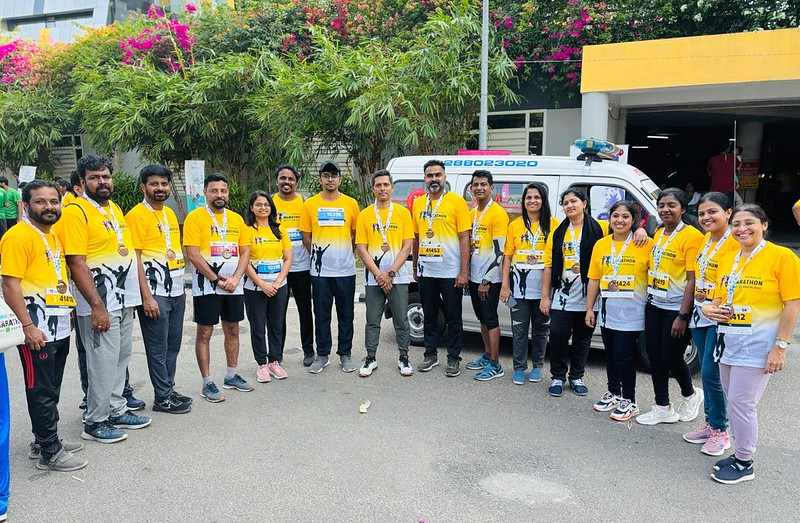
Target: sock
230	372
207	380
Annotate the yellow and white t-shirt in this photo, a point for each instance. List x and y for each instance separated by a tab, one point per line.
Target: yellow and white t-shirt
67	199
489	230
398	230
85	231
623	293
331	224
157	235
708	256
570	296
527	261
221	252
440	255
667	282
289	214
266	254
771	278
24	256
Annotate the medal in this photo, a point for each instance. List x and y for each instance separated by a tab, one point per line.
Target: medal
385	247
576	268
476	218
226	253
383	228
163	228
122	250
170	254
52	256
111	219
61	287
429	234
659	250
736	272
613	287
430	212
532	259
700	296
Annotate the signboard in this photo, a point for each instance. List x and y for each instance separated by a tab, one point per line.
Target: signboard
749	174
27	173
195	171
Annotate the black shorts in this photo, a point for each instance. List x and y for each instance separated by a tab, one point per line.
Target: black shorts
210	308
486	310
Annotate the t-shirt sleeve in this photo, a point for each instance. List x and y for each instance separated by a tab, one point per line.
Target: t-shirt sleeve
134	223
286	244
191	231
362	234
509	247
355	211
15	251
463	216
245	234
596	263
73	232
548	250
693	245
305	217
788	276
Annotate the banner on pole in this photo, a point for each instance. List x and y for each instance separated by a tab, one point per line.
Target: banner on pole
195	173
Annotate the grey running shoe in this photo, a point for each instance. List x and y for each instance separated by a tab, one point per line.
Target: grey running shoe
130	421
237	382
428	363
69	446
211	393
64	461
308	360
319	365
347	364
453	368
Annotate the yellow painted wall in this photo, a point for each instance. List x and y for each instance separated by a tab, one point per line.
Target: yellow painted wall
692	61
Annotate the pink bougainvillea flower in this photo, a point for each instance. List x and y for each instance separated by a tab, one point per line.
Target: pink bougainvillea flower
519	62
155	12
508	22
190	8
506	43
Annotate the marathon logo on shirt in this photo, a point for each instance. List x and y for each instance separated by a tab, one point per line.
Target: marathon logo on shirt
287	216
392	227
745	283
626	260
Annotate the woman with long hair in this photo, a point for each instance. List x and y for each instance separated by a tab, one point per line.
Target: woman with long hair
266	295
714	211
618	274
756	304
523	266
670	298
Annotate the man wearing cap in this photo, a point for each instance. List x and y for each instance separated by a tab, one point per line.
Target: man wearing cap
328	226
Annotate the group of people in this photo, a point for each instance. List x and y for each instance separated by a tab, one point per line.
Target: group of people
80	262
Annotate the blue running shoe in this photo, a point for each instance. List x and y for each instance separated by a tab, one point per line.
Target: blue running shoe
211	393
733	473
478	363
490	372
130	421
104	432
556	388
518	377
579	387
237	382
535	375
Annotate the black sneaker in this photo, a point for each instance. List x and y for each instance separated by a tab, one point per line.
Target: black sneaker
180	398
82	405
308	360
724	462
172	406
734	473
453	368
428	363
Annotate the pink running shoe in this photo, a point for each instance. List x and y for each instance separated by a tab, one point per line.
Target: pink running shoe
717	444
276	370
262	374
699	436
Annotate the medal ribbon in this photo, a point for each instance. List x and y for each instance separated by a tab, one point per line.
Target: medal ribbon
163	225
52	255
222	232
383	229
111	217
614	260
703	260
658	250
431	212
476	220
531	238
736	273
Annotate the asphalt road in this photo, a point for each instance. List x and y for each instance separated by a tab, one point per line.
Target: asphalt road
429	449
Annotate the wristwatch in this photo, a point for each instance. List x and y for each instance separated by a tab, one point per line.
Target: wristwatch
685	316
485	282
782	344
391	274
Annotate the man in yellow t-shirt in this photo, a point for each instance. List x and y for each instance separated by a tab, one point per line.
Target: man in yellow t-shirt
218	246
290	209
102	264
328	226
35	287
384	239
489	229
441	254
157	240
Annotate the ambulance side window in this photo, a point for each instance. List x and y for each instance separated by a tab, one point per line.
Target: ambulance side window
601	197
507	194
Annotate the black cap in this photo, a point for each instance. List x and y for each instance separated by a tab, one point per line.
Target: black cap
330	167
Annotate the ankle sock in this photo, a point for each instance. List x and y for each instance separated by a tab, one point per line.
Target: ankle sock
230	372
207	380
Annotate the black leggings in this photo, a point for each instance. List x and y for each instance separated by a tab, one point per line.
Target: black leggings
267	317
666	353
621	349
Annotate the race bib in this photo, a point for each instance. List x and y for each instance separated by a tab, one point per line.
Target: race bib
657	284
740	323
224	251
178	264
431	251
330	216
703	292
295	236
529	259
268	270
58	303
617	287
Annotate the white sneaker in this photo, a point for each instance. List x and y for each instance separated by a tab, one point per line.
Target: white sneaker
658	414
405	366
689	408
607	403
368	366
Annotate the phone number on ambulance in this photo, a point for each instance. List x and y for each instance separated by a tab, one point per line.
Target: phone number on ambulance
488	163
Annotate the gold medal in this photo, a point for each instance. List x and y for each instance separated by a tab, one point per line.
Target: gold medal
122	250
385	247
226	253
170	254
613	287
61	287
429	234
532	259
576	268
700	296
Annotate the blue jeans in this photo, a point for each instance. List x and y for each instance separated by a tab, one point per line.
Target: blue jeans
324	291
715	411
5	430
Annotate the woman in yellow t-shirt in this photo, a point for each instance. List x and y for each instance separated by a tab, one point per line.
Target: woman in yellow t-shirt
523	265
670	294
618	274
756	305
265	292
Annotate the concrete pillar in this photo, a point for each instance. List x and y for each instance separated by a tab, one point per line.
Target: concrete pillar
750	135
594	115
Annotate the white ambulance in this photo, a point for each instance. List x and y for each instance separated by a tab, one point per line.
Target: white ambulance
604	183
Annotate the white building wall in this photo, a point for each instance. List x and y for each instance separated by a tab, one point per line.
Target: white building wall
562	128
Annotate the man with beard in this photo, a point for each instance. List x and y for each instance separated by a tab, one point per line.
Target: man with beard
157	240
328	226
216	237
441	256
94	235
290	209
34	269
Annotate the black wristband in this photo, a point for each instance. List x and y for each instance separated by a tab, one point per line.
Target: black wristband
684	316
